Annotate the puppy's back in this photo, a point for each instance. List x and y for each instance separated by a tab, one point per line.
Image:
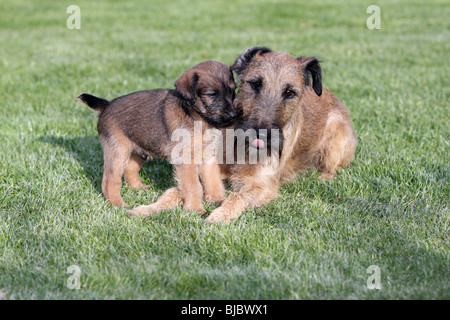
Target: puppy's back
140	116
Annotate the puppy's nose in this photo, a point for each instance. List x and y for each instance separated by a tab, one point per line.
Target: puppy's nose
233	114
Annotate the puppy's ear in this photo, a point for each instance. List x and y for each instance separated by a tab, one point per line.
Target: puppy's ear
311	67
232	75
187	85
246	58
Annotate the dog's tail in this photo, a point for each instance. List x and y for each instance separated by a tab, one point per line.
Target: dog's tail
95	103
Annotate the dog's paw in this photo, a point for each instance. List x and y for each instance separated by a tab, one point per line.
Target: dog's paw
142	211
195	208
217	216
140	186
117	202
327	176
214	198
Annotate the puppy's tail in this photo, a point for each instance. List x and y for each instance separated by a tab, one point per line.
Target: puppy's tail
95	103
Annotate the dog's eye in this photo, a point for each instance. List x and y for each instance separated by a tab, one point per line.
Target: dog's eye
209	94
288	94
255	84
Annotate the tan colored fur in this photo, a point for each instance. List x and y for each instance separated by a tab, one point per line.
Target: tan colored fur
317	134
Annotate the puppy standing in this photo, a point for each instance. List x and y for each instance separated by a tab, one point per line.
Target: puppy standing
139	126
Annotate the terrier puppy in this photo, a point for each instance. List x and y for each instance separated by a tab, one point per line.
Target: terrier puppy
139	126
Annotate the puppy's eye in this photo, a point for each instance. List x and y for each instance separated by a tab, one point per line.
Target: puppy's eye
288	94
255	84
209	94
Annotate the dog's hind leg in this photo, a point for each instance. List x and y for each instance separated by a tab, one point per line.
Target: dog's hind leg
169	199
115	160
189	193
114	165
131	173
256	190
337	146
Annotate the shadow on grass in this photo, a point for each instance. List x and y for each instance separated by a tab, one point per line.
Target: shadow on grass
88	152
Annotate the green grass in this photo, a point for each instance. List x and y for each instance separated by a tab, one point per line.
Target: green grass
389	208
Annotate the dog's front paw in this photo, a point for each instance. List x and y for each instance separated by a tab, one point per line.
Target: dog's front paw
217	216
325	176
142	211
194	208
140	186
214	198
117	202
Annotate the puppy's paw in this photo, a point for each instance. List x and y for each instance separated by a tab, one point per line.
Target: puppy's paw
140	186
118	202
142	211
194	208
214	198
217	216
327	176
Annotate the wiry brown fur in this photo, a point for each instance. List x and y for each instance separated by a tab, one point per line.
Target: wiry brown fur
315	126
138	126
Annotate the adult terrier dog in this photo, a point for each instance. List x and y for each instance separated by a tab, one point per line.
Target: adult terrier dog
139	126
315	130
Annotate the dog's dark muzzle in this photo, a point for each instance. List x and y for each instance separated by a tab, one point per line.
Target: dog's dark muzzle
270	138
229	118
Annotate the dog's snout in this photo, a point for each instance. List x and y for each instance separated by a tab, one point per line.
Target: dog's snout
234	113
261	134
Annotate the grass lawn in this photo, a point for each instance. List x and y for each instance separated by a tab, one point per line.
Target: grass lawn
389	208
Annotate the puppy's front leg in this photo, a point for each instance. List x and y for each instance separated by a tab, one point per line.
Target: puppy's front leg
191	190
212	182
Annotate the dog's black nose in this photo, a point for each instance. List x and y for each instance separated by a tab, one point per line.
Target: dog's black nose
232	114
235	113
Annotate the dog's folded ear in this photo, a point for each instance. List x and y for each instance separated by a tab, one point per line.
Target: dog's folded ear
311	67
187	85
246	58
